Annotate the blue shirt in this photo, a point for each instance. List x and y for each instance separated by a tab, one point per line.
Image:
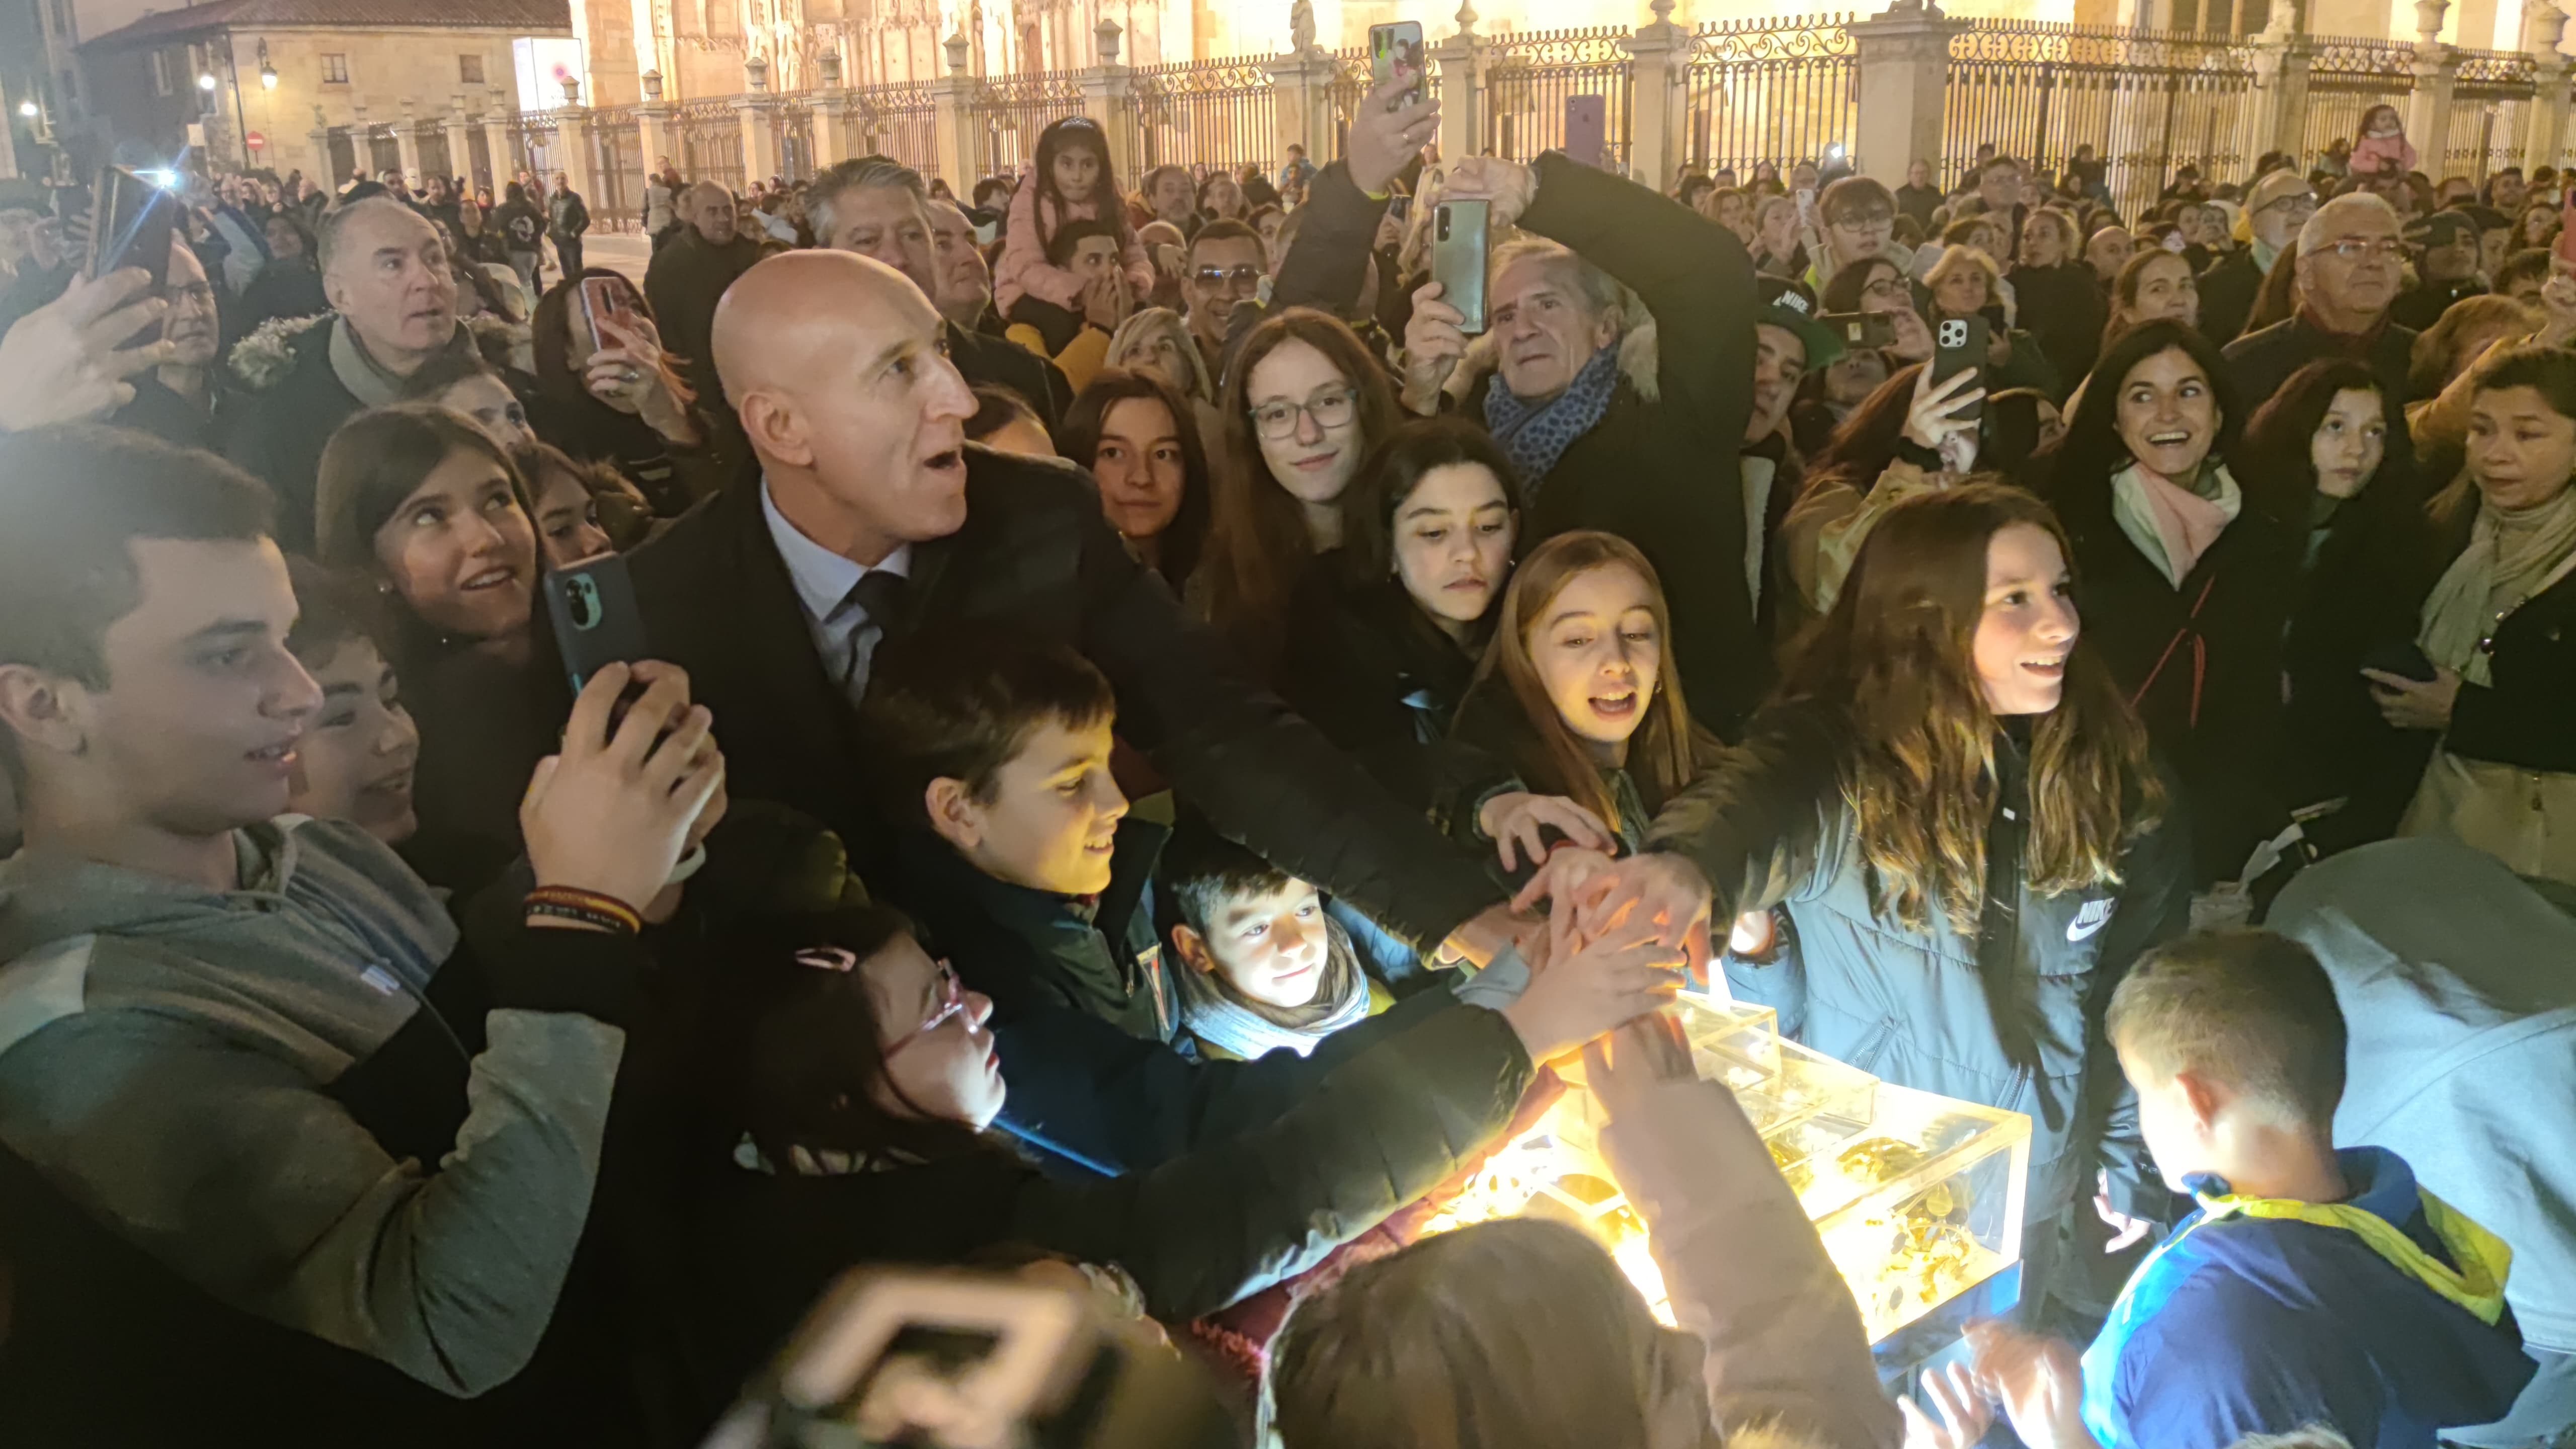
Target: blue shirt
844	636
2244	1325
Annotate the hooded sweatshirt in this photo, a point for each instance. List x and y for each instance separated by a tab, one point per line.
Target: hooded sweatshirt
2382	1316
256	1088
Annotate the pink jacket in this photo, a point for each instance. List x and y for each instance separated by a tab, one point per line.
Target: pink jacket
1747	1275
2370	152
1025	272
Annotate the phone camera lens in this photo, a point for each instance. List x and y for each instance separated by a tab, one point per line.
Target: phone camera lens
1444	223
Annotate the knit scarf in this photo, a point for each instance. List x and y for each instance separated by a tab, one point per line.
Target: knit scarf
1535	435
2509	557
364	377
1212	1012
2172	525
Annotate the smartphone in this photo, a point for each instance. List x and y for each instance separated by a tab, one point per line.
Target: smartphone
1959	345
606	297
1395	53
1458	258
1861	329
1399	208
131	222
595	616
2404	658
1587	128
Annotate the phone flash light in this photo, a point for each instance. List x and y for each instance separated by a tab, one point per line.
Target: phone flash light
1835	150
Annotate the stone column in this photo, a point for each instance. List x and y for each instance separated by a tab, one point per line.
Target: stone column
1105	98
2281	86
960	130
832	110
760	155
407	145
1659	71
575	156
496	142
1301	106
320	136
2428	110
1462	89
1904	54
460	151
653	123
2545	135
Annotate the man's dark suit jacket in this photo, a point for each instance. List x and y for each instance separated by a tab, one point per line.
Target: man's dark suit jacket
999	362
1037	554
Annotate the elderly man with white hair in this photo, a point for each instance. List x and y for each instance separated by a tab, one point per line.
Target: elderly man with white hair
2352	264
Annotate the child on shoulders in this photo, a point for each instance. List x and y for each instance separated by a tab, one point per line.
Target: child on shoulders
1070	180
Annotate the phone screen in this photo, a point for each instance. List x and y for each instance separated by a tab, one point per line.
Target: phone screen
131	223
1395	54
1959	345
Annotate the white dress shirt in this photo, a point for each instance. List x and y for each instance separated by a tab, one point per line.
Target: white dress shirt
844	636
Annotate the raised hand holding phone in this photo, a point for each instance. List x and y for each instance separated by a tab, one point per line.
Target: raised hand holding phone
613	812
66	361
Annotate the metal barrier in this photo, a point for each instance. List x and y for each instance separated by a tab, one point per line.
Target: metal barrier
1014	109
617	166
710	133
1772	90
2490	108
2346	78
1201	114
1352	83
2146	101
795	121
429	142
1530	77
898	120
532	148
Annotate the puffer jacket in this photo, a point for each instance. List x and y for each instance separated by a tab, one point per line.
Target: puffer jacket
2011	1019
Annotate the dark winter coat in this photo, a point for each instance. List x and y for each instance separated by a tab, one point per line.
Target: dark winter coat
2228	291
999	362
683	283
1036	552
1196	1234
2202	661
2259	362
2526	715
2065	311
1660	469
1367	667
2012	1018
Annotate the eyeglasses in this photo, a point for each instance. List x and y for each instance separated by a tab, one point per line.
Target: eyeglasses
2357	248
1331	408
949	1002
1888	289
1864	221
1242	274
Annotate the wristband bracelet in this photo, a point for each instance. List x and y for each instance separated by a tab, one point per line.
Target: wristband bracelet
567	903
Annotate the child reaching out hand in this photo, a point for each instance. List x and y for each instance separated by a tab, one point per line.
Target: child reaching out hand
1070	181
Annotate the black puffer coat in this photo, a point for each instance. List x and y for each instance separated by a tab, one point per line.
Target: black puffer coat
1371	671
2012	1018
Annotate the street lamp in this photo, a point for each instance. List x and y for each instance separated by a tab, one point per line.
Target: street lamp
267	72
27	109
206	81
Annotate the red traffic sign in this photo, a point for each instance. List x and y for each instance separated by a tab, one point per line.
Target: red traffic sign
255	141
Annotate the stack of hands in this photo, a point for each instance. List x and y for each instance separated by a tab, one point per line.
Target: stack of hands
2037	1382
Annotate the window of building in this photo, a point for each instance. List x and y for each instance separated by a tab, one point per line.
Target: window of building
335	70
469	70
160	72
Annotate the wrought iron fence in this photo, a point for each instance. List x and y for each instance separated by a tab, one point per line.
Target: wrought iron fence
795	121
1012	110
1205	115
710	141
1531	80
1351	84
617	146
897	119
2346	78
2490	107
2145	101
1770	90
532	148
429	143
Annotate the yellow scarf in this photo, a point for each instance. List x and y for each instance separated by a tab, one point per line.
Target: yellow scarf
2476	1285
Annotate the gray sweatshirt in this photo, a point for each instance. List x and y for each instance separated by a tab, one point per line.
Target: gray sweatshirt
165	1058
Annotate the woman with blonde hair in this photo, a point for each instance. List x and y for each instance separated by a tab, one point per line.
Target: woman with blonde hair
1574	722
1966	282
1156	342
1956	808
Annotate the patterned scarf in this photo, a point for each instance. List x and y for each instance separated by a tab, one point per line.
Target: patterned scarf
1535	435
1214	1014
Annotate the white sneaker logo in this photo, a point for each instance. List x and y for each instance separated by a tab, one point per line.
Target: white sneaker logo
2094	916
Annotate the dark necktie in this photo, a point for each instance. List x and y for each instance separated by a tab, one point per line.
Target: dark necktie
877	595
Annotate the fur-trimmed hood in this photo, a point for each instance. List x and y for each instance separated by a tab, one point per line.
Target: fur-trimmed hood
264	359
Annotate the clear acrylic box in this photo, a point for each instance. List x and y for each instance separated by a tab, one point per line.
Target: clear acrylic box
1918	1198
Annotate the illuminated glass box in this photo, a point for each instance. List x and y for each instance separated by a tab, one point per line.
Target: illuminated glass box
1918	1198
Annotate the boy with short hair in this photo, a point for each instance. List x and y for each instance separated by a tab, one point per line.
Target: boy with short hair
1025	865
1262	966
265	1124
2313	1286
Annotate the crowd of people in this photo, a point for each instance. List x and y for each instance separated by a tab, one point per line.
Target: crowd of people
1151	758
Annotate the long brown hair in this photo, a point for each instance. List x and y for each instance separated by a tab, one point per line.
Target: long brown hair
1897	658
1257	539
1433	1348
1507	710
